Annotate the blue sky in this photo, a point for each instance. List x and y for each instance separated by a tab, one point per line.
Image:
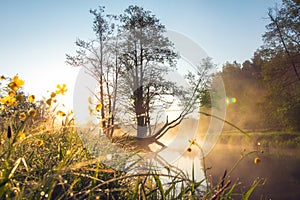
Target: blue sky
35	35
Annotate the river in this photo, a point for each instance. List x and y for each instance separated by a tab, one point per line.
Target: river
280	169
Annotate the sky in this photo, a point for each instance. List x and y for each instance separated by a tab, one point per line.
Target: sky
35	35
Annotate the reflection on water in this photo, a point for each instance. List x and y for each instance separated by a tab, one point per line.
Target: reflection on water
280	168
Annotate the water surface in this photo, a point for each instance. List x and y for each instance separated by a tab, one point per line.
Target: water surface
280	168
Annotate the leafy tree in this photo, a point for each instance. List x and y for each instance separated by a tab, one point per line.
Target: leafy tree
146	57
283	35
280	62
245	94
282	102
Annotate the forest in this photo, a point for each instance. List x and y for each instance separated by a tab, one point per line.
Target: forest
267	86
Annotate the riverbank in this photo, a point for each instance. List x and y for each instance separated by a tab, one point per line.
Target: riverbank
274	140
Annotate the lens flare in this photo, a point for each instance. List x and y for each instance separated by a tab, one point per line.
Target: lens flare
230	100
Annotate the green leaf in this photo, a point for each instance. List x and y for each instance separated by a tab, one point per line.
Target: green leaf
249	192
160	186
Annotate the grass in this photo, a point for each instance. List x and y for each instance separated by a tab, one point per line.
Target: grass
53	164
60	167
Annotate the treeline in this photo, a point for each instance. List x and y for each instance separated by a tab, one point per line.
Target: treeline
266	89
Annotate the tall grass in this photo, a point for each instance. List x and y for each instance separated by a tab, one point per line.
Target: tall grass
61	168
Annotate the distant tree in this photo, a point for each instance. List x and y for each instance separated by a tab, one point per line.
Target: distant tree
279	59
283	36
267	87
282	103
243	84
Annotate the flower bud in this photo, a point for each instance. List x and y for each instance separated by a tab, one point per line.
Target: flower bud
9	133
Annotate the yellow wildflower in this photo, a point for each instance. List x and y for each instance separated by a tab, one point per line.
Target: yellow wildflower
61	113
9	101
11	93
13	102
257	160
13	86
31	98
39	142
61	89
5	100
32	113
21	136
22	116
16	83
98	107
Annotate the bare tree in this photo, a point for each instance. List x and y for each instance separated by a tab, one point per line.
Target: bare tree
100	59
131	64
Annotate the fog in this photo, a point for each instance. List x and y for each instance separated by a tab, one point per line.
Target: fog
279	169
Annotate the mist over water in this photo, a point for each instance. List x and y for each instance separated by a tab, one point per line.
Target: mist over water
279	168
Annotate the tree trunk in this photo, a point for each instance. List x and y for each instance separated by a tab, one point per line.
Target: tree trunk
140	112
